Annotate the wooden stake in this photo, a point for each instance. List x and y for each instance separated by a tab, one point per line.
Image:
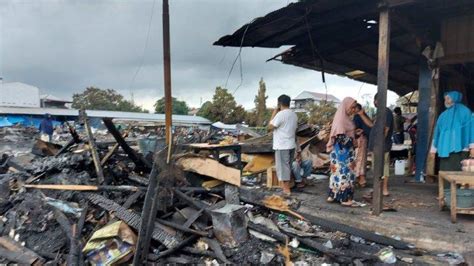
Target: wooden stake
95	155
382	84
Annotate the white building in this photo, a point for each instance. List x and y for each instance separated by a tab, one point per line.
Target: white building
306	98
17	94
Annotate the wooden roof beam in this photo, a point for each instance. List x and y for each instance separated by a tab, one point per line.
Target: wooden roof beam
344	63
339	14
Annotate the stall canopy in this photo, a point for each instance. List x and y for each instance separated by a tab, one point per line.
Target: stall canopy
341	36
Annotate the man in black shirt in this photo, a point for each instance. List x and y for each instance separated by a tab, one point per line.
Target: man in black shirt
388	132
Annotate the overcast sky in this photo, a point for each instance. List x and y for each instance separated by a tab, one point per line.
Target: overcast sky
64	46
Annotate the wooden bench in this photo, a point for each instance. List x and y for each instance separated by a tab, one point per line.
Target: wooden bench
455	179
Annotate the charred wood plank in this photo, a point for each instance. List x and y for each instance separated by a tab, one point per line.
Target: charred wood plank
150	207
132	154
184	243
132	199
193	202
219	189
13	248
84	187
16	256
80	226
191	219
255	199
139	179
75	139
281	237
367	235
112	150
65	147
162	234
182	228
95	155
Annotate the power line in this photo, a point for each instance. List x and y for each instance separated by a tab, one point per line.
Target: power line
315	51
144	48
238	57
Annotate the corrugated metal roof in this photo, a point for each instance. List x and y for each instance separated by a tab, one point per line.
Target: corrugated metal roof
345	35
316	96
52	98
178	119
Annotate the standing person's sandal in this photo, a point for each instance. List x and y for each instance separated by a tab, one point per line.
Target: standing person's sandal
285	185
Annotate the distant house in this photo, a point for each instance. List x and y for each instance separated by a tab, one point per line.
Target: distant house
193	111
306	98
50	101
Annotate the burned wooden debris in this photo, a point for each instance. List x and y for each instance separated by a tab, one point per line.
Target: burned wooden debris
56	209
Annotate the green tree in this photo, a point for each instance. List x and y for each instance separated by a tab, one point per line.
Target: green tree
322	113
205	110
94	98
179	107
261	112
223	108
302	117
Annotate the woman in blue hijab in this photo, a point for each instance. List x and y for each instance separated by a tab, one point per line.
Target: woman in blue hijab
454	133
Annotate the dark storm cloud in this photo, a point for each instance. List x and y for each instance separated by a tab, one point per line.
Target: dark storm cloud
64	46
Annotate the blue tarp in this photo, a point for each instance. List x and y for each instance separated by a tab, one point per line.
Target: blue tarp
4	122
10	120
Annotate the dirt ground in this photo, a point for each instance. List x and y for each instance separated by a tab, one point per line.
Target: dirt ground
417	218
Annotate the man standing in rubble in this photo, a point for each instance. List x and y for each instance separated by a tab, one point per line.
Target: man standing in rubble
46	128
284	123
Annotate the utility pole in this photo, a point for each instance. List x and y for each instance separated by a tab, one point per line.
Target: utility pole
150	205
167	71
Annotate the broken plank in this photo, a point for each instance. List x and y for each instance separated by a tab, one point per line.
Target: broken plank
182	228
170	251
259	163
112	150
367	235
283	238
16	256
65	147
84	187
93	148
132	154
164	235
193	202
251	197
210	167
14	247
132	199
139	179
191	219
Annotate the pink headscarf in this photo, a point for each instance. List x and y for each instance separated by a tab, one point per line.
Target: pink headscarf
342	123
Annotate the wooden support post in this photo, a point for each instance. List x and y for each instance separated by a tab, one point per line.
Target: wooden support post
132	154
454	203
150	207
95	155
423	125
382	84
434	110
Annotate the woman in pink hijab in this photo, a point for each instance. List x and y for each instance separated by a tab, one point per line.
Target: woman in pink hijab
341	145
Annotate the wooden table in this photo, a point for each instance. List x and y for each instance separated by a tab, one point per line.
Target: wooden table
454	178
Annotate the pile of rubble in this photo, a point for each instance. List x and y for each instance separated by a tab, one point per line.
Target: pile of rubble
85	203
